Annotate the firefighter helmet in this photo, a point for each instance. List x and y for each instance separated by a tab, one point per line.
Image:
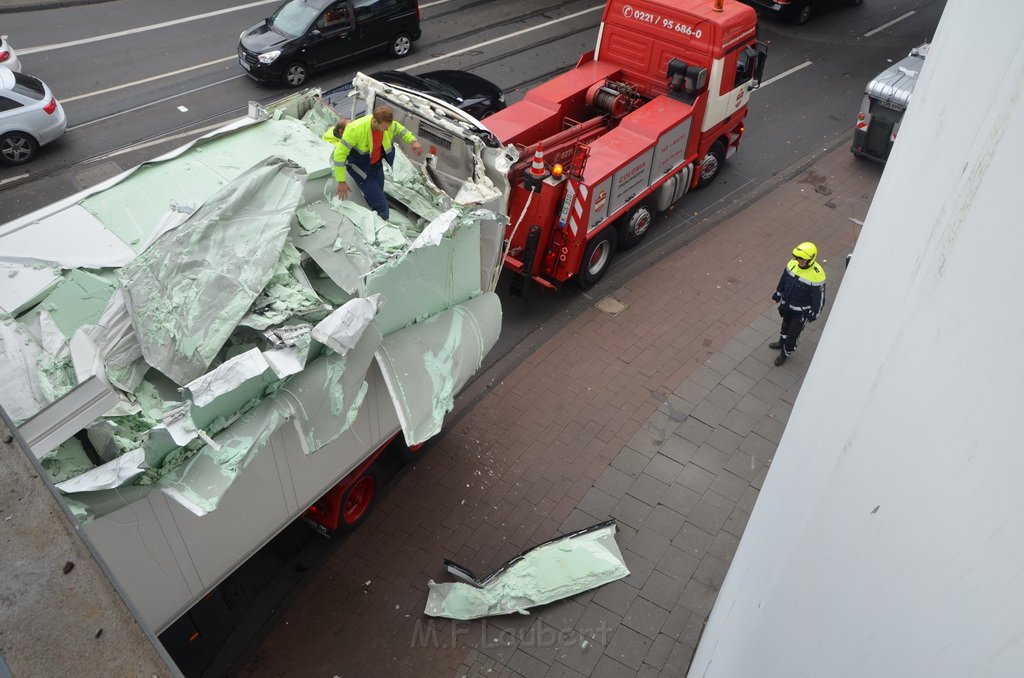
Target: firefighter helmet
806	250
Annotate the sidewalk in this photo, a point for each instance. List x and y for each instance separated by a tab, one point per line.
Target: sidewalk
664	415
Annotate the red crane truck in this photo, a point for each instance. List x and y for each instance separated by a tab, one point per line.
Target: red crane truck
651	113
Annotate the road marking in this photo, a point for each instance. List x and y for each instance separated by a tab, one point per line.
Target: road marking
9	179
158	101
875	30
791	71
142	29
77	97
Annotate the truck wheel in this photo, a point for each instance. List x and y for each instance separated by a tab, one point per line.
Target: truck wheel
357	501
597	258
400	45
295	74
634	225
17	148
712	163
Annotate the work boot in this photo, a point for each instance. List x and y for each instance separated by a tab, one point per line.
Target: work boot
777	345
781	358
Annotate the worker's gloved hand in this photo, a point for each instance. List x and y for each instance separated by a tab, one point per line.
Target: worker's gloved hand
417	148
342	190
776	297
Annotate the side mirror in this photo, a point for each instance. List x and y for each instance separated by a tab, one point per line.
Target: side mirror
315	33
762	58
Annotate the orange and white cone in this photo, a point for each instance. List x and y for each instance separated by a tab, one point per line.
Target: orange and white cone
537	171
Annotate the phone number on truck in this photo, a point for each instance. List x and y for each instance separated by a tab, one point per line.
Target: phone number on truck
661	22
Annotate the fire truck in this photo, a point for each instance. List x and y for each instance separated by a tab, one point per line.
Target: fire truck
653	112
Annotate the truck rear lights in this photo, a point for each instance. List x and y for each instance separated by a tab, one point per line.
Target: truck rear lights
4	56
50	107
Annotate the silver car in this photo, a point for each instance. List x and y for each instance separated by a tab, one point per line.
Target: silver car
30	116
8	58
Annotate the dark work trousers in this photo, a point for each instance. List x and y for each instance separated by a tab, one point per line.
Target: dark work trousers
372	185
792	326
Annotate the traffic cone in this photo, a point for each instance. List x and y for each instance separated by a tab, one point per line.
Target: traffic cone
537	171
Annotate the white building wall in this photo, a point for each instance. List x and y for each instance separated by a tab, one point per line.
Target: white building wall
889	537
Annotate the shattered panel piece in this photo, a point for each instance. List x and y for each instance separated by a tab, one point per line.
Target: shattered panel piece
426	364
551	571
189	290
342	329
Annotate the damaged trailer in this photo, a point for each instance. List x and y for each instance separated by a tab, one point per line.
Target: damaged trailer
199	349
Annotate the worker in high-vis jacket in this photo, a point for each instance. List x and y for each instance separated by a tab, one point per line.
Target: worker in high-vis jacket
365	143
801	296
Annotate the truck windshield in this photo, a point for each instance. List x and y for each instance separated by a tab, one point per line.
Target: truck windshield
293	18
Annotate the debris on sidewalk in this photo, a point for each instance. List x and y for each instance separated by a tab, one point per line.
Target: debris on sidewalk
556	569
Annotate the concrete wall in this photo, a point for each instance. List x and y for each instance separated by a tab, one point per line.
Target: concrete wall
889	537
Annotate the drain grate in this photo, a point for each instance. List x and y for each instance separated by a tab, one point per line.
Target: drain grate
611	306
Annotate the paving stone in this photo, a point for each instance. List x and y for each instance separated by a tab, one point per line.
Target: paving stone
724	546
662	590
679	659
632	511
748	500
722	362
677	621
753	367
709	413
598	623
681	499
738	383
729	485
766	390
738	422
698	597
613	482
598	503
647	440
664	520
769	429
610	668
526	665
647	671
660	650
743	465
580	656
677	563
639	568
723	397
708	517
736	523
725	440
696	478
758	480
693	628
647	489
693	392
710	459
630	462
616	597
663	468
537	642
693	540
695	430
679	449
711	571
735	349
578	520
560	670
629	647
705	376
648	544
561	615
676	408
753	405
645	617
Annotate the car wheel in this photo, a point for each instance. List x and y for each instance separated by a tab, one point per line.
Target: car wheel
295	74
634	225
803	15
17	148
712	163
597	258
358	501
400	45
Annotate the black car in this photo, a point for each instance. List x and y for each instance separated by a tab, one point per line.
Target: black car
303	36
471	93
798	11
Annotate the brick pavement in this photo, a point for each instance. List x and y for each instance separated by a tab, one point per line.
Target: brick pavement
664	416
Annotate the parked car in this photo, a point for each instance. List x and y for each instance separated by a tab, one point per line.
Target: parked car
304	36
8	58
798	11
30	116
471	93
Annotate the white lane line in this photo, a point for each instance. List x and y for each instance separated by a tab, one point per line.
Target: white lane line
143	29
875	30
791	71
158	101
9	179
77	97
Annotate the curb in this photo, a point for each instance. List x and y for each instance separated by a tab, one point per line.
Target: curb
12	7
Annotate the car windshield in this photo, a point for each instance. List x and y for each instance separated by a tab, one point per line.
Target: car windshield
441	87
28	86
293	18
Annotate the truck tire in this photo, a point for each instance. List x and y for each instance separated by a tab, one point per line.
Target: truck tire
295	74
634	225
597	258
803	16
400	45
358	500
711	165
